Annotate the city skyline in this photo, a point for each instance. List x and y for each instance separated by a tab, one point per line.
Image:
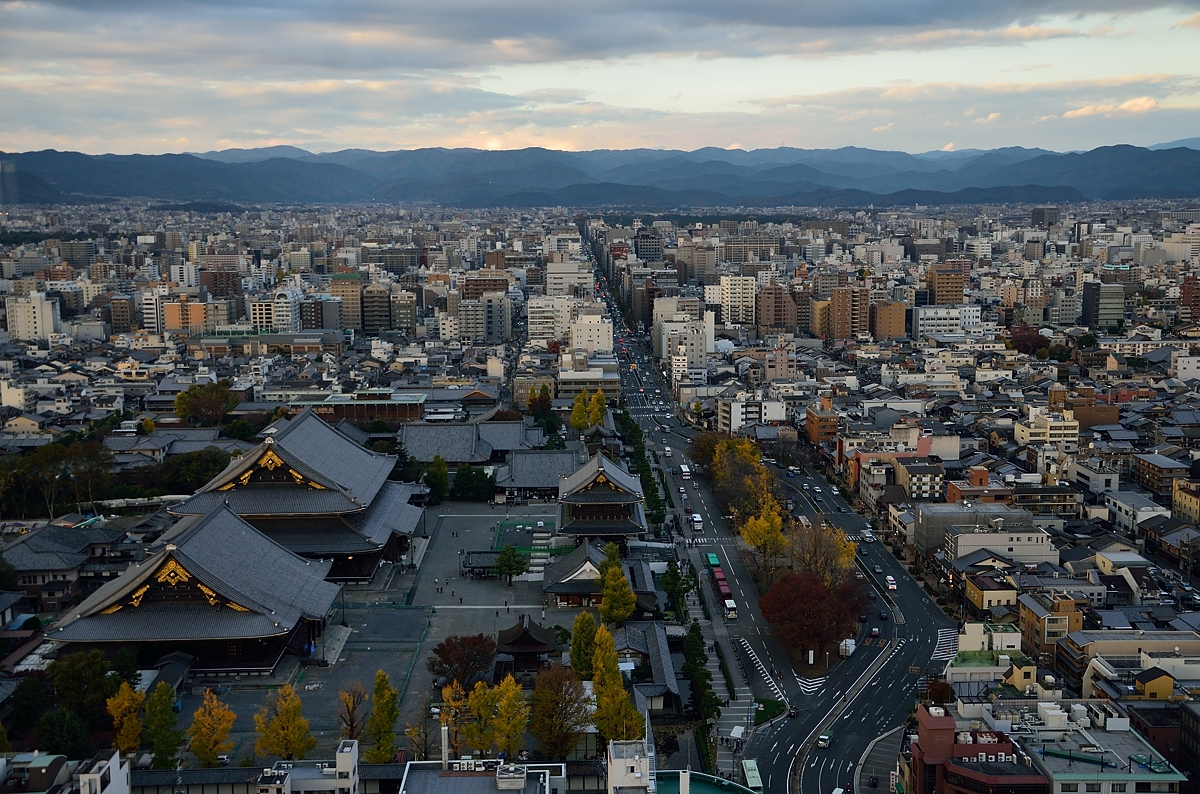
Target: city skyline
136	77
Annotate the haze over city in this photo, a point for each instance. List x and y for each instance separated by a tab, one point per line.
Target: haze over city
137	77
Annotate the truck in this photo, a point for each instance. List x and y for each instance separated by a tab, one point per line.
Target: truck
666	452
846	648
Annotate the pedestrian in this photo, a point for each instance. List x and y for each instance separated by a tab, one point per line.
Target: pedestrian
460	599
506	609
452	592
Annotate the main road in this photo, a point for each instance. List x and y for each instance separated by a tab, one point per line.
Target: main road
857	699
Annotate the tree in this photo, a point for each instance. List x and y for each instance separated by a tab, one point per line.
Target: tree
87	464
351	719
474	484
938	691
63	732
125	708
125	668
209	732
561	712
764	534
8	476
454	714
615	716
512	715
381	727
1086	341
612	557
190	471
806	614
463	658
162	736
437	478
8	576
823	550
583	644
617	598
479	731
704	448
579	417
510	563
541	406
29	703
596	408
282	729
46	468
82	682
5	744
206	404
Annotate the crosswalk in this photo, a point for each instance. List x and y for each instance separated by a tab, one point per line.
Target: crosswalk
761	668
947	644
810	686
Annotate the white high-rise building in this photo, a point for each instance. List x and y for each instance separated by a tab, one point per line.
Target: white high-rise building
737	300
286	310
593	332
186	275
32	318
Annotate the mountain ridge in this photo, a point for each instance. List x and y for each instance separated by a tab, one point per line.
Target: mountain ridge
609	177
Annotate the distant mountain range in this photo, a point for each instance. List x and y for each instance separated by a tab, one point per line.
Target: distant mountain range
635	178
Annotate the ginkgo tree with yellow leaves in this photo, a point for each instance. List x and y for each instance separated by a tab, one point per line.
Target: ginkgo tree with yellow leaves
282	729
125	708
209	733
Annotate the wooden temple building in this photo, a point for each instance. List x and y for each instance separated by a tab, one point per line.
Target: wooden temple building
319	494
216	588
522	650
601	501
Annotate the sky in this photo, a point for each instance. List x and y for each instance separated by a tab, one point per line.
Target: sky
153	76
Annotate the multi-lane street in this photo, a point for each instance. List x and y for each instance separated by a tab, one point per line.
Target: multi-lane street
855	700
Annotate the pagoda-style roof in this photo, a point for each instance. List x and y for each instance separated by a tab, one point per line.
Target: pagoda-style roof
593	528
303	467
588	481
525	637
214	577
577	572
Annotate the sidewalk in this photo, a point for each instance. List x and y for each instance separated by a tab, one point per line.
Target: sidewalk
879	760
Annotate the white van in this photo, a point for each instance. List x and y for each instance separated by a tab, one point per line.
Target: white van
891	583
697	523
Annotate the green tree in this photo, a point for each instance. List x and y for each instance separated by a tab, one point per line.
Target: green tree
209	733
161	733
192	470
381	727
206	404
579	417
8	575
281	727
541	406
561	711
29	703
472	483
46	469
510	563
125	708
583	644
82	683
63	732
612	557
8	477
407	468
86	464
125	667
512	716
437	478
5	744
596	408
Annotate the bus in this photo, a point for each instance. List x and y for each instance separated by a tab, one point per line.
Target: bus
804	522
750	772
685	473
713	562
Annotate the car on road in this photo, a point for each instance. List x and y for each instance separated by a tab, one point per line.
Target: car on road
841	509
805	486
825	739
874	631
873	781
833	489
682	489
791	474
862	618
879	569
883	616
793	712
688	510
817	488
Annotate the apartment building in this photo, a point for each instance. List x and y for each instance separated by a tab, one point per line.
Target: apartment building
738	300
888	320
1156	474
1044	427
32	317
1044	619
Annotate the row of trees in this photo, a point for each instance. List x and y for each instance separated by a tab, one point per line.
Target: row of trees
656	508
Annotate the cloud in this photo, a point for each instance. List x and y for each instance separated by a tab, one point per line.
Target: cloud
948	147
1143	104
1191	22
884	127
988	119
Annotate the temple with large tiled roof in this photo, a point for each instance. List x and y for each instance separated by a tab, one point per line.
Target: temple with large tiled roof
216	588
601	501
319	494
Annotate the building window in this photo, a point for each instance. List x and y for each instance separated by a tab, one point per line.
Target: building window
1069	787
1118	788
1091	786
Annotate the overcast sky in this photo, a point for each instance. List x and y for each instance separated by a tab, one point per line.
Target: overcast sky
174	75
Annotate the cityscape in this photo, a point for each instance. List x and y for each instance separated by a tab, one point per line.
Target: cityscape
745	399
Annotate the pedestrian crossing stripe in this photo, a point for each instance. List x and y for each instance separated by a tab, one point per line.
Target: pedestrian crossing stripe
810	686
947	644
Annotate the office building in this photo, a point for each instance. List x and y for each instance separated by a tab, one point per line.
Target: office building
1103	305
348	288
